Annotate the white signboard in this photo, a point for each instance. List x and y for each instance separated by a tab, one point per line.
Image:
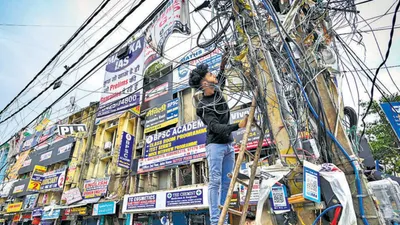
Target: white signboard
123	80
72	196
174	17
178	199
181	74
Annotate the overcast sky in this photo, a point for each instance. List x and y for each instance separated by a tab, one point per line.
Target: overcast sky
24	50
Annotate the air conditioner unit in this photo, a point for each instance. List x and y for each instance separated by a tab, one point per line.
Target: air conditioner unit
107	146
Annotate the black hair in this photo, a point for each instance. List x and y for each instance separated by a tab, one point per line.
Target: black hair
250	216
197	75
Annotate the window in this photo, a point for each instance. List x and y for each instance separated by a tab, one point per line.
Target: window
164	181
199	170
184	175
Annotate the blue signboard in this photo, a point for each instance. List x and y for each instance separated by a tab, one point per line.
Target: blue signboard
184	198
278	196
142	202
37	212
104	208
393	115
176	146
125	150
53	180
51	215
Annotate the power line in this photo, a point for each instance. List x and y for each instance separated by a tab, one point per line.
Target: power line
375	29
389	67
144	23
78	61
87	21
377	71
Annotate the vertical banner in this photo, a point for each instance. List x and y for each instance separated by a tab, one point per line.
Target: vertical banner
123	81
393	115
125	150
181	74
172	18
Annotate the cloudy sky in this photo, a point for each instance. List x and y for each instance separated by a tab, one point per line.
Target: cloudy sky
31	32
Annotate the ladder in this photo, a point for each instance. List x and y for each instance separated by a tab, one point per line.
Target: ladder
234	176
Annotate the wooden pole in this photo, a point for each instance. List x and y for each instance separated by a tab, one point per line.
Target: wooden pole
239	159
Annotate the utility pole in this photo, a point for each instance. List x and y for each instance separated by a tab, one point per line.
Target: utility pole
281	129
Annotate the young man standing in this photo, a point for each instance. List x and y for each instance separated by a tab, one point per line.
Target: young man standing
214	112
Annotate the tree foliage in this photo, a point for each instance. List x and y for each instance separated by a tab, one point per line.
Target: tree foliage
154	68
383	140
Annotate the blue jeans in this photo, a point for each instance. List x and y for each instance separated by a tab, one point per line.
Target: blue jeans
221	158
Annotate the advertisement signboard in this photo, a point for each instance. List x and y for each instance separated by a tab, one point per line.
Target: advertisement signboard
176	146
37	212
14	207
393	115
13	173
125	151
172	18
186	198
76	211
158	91
71	196
254	134
141	202
36	178
53	180
104	208
30	201
19	189
95	187
123	78
51	215
181	74
162	116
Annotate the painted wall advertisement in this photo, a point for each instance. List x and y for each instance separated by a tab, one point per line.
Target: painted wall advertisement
393	115
181	74
53	180
187	198
176	146
162	116
125	151
95	187
71	196
104	208
123	81
30	201
36	178
254	135
173	17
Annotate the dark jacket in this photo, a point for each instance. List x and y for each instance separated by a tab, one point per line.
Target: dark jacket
214	112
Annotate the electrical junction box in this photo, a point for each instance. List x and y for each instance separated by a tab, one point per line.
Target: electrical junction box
311	146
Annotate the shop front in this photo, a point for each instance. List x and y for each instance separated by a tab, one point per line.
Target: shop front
182	206
105	212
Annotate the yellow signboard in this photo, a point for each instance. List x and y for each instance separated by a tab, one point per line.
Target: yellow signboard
76	211
14	207
42	124
36	178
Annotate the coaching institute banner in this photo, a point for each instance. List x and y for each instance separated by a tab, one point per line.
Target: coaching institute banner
53	180
123	81
125	151
181	74
157	92
176	146
254	135
162	116
30	201
95	187
187	198
71	196
172	18
393	115
36	178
